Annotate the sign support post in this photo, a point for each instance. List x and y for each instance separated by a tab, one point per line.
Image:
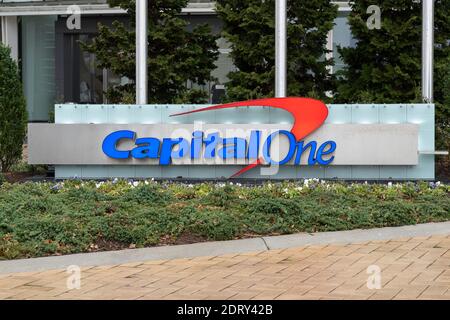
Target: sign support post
141	51
281	48
427	49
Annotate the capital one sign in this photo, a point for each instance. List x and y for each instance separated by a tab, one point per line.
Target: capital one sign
307	140
308	115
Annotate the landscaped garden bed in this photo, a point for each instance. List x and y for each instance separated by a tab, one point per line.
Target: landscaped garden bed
40	219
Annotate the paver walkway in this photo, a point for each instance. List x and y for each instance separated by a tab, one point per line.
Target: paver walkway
410	268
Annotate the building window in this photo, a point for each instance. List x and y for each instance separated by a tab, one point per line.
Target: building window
224	64
79	80
342	37
38	65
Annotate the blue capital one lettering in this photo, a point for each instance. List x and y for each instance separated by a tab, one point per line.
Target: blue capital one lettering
212	145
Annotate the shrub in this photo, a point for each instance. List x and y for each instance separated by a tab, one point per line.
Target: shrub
13	112
148	194
40	219
214	224
9	248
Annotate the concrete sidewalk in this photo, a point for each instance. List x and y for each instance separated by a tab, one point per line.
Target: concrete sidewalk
222	248
404	266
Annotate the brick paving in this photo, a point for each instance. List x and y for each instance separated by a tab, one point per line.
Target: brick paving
411	268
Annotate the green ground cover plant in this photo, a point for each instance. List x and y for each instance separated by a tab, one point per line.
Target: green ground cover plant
41	219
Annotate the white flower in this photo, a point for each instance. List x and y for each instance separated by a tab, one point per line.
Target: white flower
98	185
135	183
438	184
146	182
390	185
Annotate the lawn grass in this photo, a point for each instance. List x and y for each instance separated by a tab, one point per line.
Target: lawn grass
40	219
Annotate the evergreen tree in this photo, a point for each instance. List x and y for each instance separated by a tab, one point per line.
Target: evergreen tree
442	76
249	25
13	111
385	65
443	109
442	53
175	55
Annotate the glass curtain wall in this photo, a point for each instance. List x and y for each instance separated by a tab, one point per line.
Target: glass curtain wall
38	65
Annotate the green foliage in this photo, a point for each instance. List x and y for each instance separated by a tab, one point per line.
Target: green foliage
39	219
9	248
214	224
175	56
23	167
13	111
443	110
250	28
385	65
148	194
442	55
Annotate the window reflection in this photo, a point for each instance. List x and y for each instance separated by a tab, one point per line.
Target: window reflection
91	77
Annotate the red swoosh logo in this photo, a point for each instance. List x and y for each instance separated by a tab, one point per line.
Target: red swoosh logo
309	115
